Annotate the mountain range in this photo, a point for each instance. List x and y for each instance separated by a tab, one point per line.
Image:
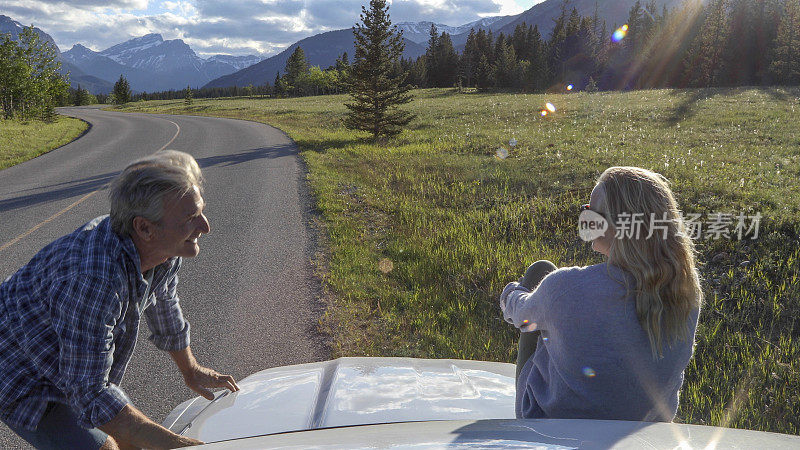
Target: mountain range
150	63
323	49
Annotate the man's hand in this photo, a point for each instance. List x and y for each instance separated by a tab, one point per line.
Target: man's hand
130	428
200	379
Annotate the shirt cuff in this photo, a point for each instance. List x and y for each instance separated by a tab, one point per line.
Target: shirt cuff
105	405
172	342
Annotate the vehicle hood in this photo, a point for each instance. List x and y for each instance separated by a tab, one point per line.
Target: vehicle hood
350	391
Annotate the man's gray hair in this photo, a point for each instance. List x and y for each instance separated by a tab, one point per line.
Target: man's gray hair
141	188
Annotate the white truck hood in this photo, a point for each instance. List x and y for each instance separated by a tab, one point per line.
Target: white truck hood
350	391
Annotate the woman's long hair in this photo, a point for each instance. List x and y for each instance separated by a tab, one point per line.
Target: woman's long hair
660	257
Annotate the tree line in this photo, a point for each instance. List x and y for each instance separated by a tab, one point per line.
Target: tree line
715	43
697	44
299	79
30	84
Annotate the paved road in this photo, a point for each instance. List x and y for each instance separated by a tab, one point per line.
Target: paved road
249	296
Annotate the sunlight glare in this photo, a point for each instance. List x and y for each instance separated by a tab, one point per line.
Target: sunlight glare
620	33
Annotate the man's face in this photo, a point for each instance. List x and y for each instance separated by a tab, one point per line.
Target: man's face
183	222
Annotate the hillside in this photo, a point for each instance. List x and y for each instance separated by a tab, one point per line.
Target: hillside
321	50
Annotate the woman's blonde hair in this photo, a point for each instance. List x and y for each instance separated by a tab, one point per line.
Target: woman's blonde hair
660	255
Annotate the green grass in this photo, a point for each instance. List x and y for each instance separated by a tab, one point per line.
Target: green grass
458	223
21	141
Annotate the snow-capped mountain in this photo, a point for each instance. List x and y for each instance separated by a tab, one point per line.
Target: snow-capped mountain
238	62
169	64
106	68
76	76
419	32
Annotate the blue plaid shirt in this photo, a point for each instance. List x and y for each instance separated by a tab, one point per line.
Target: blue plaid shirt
69	320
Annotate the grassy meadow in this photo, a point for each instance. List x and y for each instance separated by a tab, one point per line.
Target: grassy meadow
424	232
21	141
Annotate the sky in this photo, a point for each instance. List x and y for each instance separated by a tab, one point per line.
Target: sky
235	27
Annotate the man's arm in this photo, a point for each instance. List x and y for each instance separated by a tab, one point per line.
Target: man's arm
133	427
199	378
84	312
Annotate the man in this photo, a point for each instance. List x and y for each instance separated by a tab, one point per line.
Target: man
70	316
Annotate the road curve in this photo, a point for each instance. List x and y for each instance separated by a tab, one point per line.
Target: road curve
250	295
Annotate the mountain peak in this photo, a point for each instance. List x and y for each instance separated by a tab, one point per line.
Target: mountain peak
149	38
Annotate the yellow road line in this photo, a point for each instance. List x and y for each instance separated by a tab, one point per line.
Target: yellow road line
77	202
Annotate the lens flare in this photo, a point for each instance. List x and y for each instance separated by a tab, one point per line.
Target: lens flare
544	112
501	153
588	372
569	87
550	107
385	265
620	33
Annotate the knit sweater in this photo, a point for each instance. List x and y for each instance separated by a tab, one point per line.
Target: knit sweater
593	358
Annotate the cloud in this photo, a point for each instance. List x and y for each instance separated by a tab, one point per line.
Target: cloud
234	26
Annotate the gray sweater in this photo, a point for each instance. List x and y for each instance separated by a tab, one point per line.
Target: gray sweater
593	359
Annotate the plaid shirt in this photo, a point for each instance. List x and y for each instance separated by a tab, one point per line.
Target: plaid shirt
69	320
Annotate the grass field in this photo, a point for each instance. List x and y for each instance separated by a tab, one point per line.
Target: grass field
21	141
423	233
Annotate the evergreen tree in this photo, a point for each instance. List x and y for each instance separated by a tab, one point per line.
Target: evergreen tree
376	96
505	68
483	73
447	62
81	97
122	91
785	67
188	96
537	77
296	69
278	86
519	40
468	61
431	63
705	58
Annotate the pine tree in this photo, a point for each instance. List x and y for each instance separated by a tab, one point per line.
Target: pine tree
296	69
785	67
122	91
447	60
81	97
467	61
376	96
705	65
188	96
277	87
505	67
431	63
483	73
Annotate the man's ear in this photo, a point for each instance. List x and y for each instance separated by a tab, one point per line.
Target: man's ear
143	228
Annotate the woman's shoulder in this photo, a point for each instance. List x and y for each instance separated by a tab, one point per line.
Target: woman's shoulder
581	278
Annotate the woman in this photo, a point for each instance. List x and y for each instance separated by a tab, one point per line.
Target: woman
615	338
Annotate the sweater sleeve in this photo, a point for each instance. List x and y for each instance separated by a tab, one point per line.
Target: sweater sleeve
526	309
